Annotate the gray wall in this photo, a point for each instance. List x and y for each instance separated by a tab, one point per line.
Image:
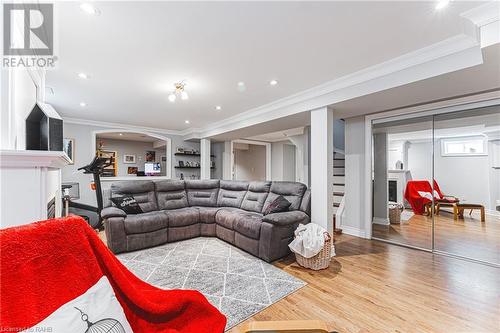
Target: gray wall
84	153
137	148
250	164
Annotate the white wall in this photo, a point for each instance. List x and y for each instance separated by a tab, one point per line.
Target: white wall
353	222
284	161
289	162
465	177
19	95
250	164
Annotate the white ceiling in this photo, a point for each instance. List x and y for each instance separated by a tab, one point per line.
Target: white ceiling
127	136
134	52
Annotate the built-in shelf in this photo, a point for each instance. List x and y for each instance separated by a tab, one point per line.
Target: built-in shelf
189	167
187	154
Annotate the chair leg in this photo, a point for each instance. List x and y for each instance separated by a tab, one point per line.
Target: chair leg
455	212
483	217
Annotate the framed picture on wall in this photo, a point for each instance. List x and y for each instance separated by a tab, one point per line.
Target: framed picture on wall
150	155
128	159
69	149
132	170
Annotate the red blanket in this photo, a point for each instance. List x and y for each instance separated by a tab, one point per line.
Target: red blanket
46	264
414	198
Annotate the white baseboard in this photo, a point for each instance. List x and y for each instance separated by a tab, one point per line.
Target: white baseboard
353	231
381	220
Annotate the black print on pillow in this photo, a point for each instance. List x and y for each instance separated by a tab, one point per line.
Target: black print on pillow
128	204
106	325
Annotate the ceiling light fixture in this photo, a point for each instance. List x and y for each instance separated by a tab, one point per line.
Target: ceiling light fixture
180	90
121	134
442	3
186	121
273	82
83	104
90	9
83	76
218	108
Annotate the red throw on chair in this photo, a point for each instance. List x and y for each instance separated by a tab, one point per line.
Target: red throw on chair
48	263
412	195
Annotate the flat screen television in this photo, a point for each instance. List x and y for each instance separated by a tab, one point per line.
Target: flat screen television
152	169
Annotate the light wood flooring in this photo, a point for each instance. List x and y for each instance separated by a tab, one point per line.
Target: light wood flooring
467	237
375	287
372	286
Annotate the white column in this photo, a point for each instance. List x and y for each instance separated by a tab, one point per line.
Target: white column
205	159
322	167
227	161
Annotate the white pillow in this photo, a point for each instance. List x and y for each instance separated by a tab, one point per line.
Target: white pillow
97	309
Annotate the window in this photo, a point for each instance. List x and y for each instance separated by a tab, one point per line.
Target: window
465	146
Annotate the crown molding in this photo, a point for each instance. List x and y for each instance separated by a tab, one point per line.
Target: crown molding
484	14
79	121
455	53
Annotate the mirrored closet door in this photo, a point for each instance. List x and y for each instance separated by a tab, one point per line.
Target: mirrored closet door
436	183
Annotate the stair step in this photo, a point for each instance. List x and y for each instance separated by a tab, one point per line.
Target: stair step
339	174
341	194
338	188
338	184
336	204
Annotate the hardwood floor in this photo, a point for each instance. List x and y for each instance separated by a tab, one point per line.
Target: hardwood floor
372	286
466	237
376	287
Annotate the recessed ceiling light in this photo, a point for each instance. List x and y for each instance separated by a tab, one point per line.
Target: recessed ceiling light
273	82
442	3
83	76
83	104
186	121
121	134
89	9
241	86
218	107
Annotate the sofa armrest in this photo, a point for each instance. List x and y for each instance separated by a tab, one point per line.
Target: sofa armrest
112	212
287	218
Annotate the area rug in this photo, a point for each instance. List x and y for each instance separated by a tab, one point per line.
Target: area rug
237	283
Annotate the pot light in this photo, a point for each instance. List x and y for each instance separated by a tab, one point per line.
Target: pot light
83	104
186	121
442	3
89	9
241	86
83	76
184	95
172	97
273	82
218	108
121	134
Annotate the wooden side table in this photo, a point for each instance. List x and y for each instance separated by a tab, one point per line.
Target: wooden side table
458	210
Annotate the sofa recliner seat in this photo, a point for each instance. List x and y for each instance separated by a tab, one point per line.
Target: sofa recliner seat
230	210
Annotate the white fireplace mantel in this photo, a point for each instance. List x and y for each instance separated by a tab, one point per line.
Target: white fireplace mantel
29	180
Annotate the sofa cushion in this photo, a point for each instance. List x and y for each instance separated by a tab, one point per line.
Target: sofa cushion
143	192
183	216
145	222
128	204
171	194
305	205
207	214
231	193
291	191
227	216
287	218
256	196
202	192
248	224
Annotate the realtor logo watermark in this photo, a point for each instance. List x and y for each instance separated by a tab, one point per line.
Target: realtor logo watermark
28	35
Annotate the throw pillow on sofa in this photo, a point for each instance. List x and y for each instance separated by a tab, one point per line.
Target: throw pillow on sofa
128	204
278	205
96	310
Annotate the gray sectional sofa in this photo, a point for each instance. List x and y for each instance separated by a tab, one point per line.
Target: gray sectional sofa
174	210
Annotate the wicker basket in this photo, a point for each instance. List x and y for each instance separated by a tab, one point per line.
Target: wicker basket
395	213
319	261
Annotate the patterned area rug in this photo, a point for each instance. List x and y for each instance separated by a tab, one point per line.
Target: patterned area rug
237	283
